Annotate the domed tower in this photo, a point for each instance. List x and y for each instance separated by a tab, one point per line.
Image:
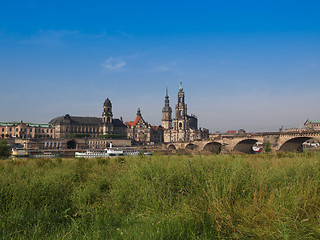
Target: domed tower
166	113
107	117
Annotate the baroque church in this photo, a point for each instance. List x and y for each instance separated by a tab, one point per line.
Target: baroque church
185	127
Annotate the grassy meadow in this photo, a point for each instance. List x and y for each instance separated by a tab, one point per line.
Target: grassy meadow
267	196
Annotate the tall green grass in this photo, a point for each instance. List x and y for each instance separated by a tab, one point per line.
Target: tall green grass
162	197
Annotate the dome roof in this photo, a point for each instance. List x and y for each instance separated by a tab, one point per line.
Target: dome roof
107	102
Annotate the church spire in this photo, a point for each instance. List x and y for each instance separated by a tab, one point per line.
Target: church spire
166	112
166	101
139	112
167	90
181	88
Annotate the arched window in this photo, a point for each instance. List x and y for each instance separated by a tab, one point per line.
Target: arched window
180	125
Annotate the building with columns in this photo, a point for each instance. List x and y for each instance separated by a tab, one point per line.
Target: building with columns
185	127
312	125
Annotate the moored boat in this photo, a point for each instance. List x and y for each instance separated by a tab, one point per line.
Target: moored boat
36	153
91	154
111	152
19	152
257	147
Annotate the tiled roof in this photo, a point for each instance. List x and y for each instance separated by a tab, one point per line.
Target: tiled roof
85	121
77	120
231	131
117	123
133	123
156	128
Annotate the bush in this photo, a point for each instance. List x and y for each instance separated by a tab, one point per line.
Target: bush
113	136
78	135
5	149
267	147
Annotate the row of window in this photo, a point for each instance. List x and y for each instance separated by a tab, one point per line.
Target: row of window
84	129
53	144
30	130
98	142
22	136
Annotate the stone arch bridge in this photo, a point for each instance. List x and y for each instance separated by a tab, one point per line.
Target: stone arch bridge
279	141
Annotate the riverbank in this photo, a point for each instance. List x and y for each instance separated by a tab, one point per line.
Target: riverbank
266	196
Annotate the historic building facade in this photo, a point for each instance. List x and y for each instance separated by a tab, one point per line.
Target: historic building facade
309	125
142	132
26	130
67	126
185	127
312	125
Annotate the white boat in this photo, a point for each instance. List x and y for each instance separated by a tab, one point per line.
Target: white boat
92	154
19	152
36	153
257	147
114	152
108	152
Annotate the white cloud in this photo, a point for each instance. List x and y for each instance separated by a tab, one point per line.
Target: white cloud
112	64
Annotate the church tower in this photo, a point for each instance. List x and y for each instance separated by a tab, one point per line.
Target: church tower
107	117
181	120
166	113
185	127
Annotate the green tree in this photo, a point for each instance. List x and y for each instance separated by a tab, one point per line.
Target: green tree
113	136
4	149
267	147
78	135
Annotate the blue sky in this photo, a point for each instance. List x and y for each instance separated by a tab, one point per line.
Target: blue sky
244	64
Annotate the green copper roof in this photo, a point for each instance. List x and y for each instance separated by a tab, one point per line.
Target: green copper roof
180	88
42	125
313	121
9	123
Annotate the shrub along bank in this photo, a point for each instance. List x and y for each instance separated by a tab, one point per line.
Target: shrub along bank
5	149
162	197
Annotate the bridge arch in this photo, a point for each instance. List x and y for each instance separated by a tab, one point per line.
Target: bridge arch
172	147
245	146
213	147
294	144
191	146
72	144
